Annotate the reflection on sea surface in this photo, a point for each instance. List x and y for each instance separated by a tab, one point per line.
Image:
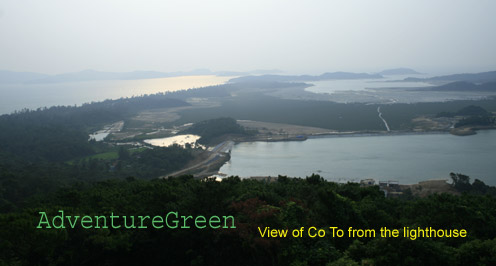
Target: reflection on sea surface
32	96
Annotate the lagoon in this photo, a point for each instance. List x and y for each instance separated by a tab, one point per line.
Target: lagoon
180	140
405	158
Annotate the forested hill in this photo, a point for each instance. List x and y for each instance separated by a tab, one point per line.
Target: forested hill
45	149
211	130
61	133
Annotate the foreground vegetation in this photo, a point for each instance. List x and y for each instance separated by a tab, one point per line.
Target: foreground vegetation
285	204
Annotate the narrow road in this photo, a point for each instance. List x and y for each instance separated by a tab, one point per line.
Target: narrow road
383	120
217	152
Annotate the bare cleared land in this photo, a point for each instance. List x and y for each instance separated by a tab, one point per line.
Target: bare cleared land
429	187
425	123
284	129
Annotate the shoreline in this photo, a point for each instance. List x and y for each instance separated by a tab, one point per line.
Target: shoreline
338	135
427	183
469	131
348	134
303	137
209	169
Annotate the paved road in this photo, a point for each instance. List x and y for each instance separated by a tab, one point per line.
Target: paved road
383	120
216	153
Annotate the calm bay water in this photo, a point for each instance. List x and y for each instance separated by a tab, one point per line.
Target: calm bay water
333	86
32	96
406	158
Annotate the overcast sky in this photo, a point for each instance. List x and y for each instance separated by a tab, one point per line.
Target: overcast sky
305	36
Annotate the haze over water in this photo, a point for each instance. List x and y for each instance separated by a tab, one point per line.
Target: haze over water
32	96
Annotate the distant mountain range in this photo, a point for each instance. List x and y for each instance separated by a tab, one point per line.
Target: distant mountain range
299	78
7	77
251	76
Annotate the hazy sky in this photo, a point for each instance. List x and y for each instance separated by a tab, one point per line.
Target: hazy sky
55	36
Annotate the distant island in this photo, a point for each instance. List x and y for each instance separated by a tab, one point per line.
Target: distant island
290	78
